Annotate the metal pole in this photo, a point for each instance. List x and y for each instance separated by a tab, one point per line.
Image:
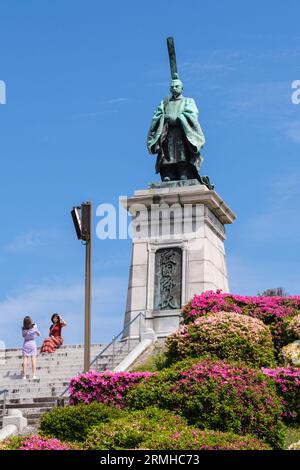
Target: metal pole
4	404
114	351
140	327
87	315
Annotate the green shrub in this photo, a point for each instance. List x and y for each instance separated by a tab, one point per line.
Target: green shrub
292	328
11	443
218	396
157	429
71	423
196	439
292	436
224	335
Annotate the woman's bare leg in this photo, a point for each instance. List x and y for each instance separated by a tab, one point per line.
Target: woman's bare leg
25	363
33	363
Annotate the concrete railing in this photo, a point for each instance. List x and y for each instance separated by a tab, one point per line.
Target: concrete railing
13	424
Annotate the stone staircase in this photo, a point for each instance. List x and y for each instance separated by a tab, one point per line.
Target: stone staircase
54	371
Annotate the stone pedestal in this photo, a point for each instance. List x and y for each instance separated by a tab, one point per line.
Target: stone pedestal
178	233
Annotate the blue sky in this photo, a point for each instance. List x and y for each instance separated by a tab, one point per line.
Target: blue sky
83	79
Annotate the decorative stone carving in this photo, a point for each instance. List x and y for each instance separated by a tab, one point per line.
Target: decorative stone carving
168	269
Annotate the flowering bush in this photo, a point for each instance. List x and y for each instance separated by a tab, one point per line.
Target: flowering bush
287	380
42	443
217	396
71	423
271	310
291	354
107	387
294	446
292	327
34	442
157	429
225	335
11	443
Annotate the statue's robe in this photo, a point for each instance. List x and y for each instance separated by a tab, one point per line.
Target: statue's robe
179	138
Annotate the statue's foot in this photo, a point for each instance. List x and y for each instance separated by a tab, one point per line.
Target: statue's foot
166	178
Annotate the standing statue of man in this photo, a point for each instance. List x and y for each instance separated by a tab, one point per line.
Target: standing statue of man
176	137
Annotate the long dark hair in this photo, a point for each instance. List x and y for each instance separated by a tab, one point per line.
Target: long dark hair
27	323
55	315
52	318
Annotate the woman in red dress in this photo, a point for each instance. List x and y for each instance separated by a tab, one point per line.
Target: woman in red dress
55	340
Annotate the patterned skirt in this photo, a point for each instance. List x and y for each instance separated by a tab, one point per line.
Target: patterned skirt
51	344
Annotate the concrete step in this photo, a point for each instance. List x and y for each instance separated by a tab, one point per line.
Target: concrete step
28	396
64	347
58	356
32	408
45	374
35	389
30	402
59	370
17	366
73	350
24	388
9	364
18	380
21	384
37	392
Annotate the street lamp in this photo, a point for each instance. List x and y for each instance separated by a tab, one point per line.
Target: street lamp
82	219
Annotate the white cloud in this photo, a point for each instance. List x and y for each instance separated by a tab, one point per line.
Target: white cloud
28	241
24	242
117	100
107	106
286	188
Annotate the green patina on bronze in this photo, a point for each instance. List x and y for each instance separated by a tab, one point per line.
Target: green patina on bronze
175	134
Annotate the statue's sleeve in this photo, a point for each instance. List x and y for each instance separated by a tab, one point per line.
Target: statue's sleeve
191	126
156	128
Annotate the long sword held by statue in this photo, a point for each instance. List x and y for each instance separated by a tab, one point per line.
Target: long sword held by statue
172	58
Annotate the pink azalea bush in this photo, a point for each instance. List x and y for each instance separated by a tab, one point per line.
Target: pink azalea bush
34	442
216	395
107	387
271	310
287	380
225	335
42	443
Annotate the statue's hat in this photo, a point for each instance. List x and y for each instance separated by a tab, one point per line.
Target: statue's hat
176	78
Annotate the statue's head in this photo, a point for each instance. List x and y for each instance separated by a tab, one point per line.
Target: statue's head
176	86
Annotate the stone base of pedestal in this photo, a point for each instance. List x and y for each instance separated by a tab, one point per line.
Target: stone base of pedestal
178	234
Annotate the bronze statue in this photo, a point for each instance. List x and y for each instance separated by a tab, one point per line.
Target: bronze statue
175	134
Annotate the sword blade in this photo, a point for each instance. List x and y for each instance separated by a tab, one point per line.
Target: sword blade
172	56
